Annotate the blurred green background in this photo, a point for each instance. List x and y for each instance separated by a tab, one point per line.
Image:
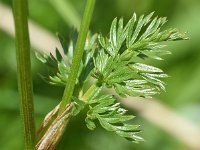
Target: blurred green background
183	87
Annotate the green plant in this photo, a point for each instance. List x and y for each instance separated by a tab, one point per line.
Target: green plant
92	63
114	62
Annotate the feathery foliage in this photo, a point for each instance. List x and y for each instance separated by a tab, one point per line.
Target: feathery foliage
115	62
60	65
111	117
117	66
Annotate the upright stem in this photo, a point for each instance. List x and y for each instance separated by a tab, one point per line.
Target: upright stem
78	54
20	10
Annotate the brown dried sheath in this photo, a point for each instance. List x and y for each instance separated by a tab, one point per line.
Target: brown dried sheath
55	130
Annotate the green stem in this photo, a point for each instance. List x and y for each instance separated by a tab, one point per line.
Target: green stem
78	54
91	91
20	10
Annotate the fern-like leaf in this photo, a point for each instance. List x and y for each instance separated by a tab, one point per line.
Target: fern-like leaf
119	65
111	117
61	64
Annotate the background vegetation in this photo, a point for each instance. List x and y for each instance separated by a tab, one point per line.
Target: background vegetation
183	66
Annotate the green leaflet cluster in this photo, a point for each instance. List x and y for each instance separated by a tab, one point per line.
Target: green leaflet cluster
117	64
59	66
115	61
111	117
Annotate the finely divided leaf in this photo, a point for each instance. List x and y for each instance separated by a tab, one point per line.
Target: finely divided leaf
119	62
111	117
61	64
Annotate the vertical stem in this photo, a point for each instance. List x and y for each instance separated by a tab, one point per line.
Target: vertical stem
79	49
20	10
